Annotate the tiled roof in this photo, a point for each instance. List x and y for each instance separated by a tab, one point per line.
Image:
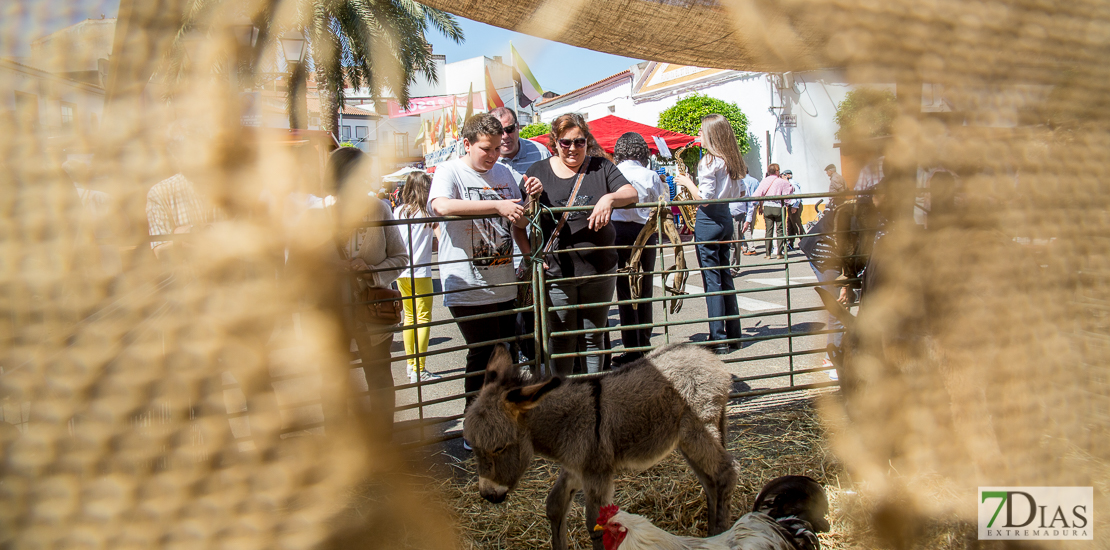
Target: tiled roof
548	100
314	107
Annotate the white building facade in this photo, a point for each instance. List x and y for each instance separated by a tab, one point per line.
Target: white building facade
51	105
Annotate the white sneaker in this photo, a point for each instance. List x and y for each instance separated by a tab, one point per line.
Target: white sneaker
424	376
825	363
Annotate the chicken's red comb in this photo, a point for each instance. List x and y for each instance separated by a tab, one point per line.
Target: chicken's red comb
607	512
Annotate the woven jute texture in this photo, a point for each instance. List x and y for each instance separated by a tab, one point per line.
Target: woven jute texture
138	392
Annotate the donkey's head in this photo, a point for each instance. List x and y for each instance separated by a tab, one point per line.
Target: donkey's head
496	429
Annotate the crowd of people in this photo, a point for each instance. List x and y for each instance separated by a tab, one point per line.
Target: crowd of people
483	257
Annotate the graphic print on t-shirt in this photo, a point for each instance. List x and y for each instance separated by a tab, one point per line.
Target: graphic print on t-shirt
490	238
581	200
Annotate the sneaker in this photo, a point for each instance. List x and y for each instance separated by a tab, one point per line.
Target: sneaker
424	376
466	445
826	364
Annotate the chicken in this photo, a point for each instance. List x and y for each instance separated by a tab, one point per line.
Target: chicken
786	514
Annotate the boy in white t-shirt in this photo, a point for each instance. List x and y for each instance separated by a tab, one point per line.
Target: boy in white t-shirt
476	185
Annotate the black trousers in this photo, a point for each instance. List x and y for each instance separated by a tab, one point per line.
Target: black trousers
379	381
477	331
794	226
638	314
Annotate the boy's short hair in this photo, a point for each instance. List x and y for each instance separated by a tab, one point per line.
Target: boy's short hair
483	124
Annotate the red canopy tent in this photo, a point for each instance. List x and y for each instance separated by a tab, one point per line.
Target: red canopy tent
607	129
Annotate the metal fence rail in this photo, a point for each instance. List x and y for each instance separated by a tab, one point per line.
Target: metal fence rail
778	360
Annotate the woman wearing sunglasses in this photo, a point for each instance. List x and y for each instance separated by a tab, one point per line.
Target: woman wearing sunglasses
719	177
573	242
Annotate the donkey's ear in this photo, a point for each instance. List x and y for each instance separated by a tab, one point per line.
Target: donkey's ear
499	363
529	396
836	308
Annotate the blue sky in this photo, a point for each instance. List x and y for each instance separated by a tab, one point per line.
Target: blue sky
22	21
558	67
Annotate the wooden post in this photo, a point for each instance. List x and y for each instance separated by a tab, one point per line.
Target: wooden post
768	147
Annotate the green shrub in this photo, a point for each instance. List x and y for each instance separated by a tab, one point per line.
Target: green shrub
535	129
685	117
866	113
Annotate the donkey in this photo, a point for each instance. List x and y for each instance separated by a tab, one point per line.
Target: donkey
596	426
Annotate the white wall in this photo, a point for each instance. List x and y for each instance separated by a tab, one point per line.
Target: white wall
596	103
462	74
424	87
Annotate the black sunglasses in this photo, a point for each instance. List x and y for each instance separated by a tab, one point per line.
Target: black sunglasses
577	142
510	128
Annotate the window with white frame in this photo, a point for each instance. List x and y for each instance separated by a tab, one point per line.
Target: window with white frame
67	115
360	138
401	144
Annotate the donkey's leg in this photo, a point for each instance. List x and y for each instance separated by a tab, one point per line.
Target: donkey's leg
558	504
707	485
715	468
599	492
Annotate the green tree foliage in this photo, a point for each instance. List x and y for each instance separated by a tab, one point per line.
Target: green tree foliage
866	113
685	117
535	129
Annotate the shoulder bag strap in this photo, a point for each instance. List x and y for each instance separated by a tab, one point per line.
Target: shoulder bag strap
570	202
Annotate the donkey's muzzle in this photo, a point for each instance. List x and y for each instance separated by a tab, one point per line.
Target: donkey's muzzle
492	491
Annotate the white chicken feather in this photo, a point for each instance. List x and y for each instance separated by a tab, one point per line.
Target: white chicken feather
786	514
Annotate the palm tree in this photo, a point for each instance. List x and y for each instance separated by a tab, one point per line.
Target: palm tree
377	44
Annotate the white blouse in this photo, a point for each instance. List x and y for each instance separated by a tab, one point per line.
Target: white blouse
713	180
649	187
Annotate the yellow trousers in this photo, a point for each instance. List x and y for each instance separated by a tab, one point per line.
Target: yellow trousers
416	340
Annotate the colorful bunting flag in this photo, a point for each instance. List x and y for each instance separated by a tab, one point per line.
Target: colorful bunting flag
454	117
469	103
529	86
493	100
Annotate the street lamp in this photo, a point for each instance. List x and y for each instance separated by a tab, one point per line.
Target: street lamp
246	34
293	46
